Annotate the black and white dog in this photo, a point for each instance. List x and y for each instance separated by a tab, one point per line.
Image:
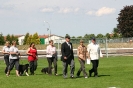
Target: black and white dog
45	70
23	69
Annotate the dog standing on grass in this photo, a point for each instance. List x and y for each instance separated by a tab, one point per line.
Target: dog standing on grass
45	70
23	69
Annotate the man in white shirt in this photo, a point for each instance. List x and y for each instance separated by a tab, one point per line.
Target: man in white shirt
94	53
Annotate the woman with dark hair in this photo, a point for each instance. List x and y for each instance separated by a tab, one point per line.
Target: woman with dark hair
14	58
32	57
6	53
51	57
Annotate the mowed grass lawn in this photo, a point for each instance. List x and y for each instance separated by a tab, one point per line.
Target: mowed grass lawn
113	72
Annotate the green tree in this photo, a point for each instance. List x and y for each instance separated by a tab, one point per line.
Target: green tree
25	38
8	38
35	38
125	21
108	35
79	37
29	40
100	36
89	36
2	39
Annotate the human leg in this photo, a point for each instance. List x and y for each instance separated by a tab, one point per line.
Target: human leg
49	65
55	66
72	67
6	58
65	65
17	66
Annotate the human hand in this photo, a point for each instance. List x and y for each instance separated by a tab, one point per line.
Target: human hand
65	58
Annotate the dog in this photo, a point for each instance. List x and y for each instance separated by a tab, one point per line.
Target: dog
45	70
23	69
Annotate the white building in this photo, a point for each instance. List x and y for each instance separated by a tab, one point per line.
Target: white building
55	38
21	39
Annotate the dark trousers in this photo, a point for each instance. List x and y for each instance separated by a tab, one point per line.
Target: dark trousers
94	67
72	67
50	60
12	63
6	58
33	66
82	68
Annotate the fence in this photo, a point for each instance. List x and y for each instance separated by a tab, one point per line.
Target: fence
119	46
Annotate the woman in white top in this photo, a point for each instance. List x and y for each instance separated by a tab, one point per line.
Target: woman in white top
51	57
6	53
14	59
94	53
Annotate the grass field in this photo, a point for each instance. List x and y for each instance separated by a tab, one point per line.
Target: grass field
113	72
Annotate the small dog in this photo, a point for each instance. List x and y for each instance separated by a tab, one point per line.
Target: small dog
45	70
23	69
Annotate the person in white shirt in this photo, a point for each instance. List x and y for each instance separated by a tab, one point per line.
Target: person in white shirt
94	53
6	53
14	59
51	57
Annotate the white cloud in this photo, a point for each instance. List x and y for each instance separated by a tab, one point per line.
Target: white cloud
47	10
102	11
105	11
68	10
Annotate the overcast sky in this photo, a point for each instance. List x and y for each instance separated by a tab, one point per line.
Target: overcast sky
73	17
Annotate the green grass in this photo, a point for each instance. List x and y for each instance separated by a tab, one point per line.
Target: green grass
113	71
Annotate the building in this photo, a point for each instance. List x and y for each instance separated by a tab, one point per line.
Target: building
21	39
55	38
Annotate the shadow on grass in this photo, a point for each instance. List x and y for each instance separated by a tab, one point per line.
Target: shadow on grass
102	75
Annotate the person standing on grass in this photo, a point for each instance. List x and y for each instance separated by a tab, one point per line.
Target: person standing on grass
14	58
6	52
82	56
94	53
51	57
32	57
67	57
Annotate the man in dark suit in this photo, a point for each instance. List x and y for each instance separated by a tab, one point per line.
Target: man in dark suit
67	57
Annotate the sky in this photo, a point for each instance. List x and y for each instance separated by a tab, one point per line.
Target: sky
73	17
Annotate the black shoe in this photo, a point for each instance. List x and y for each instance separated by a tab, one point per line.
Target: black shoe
78	74
90	73
96	76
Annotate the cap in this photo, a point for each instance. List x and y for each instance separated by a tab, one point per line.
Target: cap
67	36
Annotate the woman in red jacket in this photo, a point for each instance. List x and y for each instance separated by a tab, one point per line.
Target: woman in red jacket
32	58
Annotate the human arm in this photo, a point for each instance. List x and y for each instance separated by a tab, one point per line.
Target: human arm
63	51
28	52
4	51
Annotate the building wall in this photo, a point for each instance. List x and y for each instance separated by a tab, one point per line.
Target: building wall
21	40
56	39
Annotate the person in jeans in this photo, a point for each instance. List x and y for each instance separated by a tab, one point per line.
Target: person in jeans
82	56
94	53
51	57
6	52
14	59
32	57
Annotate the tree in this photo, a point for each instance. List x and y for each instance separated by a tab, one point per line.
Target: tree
89	36
12	38
2	39
29	40
8	38
125	21
99	36
35	38
25	38
108	35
